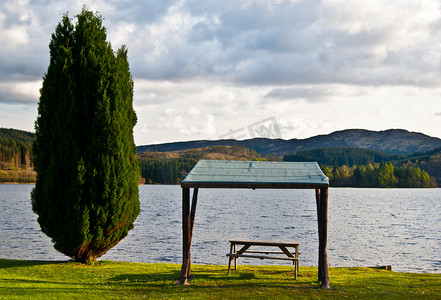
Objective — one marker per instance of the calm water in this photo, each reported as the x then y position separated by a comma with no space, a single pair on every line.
367,227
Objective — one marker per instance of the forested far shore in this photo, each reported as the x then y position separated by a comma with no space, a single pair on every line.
368,168
165,171
384,175
345,166
355,167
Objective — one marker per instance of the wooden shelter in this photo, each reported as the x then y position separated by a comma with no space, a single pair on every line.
255,175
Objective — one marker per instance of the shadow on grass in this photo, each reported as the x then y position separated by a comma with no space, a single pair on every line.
203,279
162,277
29,281
13,263
250,276
28,289
174,275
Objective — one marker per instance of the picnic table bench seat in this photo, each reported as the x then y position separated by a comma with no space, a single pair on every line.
264,254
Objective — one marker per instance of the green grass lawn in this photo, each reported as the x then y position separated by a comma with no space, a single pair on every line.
106,279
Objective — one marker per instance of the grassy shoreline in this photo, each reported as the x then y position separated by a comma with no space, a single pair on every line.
18,176
106,279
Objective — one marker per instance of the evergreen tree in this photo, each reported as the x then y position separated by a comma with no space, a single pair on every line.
385,175
86,194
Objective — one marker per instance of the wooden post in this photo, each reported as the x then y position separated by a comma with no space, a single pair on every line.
192,217
322,219
193,210
188,216
186,240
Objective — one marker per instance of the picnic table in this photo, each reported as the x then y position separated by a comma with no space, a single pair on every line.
245,251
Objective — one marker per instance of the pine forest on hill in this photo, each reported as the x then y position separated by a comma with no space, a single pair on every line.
15,156
345,166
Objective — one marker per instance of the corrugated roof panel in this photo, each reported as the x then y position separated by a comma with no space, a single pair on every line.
256,172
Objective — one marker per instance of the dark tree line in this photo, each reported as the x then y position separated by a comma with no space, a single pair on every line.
378,175
342,156
165,170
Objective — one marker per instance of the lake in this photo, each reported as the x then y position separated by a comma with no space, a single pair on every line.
366,227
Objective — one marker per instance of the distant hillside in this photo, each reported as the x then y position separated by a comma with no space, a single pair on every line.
393,141
348,156
15,156
212,152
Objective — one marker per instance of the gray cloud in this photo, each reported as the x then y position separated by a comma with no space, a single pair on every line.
310,93
235,56
21,69
290,43
245,42
147,11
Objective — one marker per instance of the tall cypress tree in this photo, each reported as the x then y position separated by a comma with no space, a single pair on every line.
86,194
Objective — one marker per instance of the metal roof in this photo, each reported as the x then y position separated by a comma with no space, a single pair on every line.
255,174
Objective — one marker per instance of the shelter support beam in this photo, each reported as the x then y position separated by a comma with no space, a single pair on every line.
322,219
188,216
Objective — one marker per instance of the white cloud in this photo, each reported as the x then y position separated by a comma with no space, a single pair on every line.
18,116
13,37
20,92
121,33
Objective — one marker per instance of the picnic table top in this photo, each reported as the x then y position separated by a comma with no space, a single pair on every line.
255,174
264,243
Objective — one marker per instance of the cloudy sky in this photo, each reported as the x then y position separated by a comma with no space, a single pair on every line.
216,69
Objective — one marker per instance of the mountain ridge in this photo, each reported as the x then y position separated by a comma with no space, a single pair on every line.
393,141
